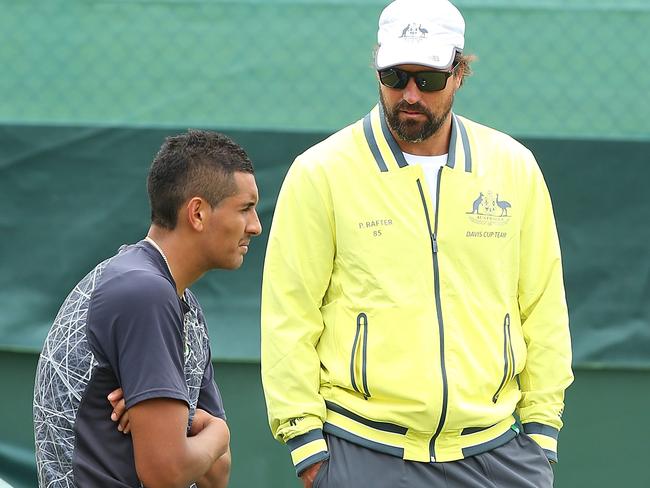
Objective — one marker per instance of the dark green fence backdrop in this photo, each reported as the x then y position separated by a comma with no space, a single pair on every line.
91,88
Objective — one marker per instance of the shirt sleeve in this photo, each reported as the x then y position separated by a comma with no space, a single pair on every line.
135,321
210,396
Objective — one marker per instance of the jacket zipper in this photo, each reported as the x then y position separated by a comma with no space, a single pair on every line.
362,323
508,358
436,281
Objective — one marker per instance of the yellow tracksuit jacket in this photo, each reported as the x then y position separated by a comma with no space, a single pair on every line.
412,327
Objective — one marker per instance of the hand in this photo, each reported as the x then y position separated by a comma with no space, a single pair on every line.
218,475
202,419
309,475
119,414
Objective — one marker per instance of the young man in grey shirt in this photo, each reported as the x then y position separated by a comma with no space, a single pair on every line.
132,325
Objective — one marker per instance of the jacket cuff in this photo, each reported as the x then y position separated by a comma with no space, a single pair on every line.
308,449
545,436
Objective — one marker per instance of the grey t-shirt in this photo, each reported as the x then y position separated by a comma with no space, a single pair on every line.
124,326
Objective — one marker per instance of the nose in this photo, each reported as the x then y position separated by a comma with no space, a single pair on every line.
411,93
254,226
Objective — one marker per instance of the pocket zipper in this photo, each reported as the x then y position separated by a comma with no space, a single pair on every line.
362,344
508,358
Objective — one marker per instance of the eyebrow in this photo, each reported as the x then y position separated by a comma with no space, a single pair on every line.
250,203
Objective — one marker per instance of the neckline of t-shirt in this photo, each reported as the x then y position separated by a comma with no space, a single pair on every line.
439,160
157,248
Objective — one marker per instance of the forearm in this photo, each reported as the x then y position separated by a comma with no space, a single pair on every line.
543,381
544,314
218,475
291,377
547,372
177,466
295,407
290,364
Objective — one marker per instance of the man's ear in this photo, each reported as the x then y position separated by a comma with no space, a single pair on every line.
458,77
196,211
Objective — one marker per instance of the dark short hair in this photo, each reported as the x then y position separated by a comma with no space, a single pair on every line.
197,163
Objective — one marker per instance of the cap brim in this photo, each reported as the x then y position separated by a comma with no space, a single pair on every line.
438,57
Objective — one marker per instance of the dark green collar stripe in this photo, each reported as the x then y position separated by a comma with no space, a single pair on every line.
456,128
451,156
468,154
372,144
392,143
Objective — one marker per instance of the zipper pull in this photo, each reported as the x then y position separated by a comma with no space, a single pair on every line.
434,243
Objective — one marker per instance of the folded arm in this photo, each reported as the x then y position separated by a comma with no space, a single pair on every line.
165,457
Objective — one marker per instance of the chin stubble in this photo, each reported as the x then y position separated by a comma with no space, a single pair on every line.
411,130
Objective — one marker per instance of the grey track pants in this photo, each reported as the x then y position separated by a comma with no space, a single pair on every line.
520,463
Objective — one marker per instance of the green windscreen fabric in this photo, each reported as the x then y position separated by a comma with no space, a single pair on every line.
72,196
92,87
546,68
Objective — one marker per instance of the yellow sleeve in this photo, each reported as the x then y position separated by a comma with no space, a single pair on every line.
545,320
297,270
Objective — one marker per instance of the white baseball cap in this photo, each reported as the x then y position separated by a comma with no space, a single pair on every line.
424,32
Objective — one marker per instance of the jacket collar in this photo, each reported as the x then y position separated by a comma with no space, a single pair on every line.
389,156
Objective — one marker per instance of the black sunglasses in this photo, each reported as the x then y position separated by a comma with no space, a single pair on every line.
426,81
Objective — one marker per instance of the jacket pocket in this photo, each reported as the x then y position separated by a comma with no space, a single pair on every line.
358,357
508,359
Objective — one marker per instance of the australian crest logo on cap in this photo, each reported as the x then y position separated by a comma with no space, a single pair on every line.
414,31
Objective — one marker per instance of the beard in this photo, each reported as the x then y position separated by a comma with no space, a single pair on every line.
412,130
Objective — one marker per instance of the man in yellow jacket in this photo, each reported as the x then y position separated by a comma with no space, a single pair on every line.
413,300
